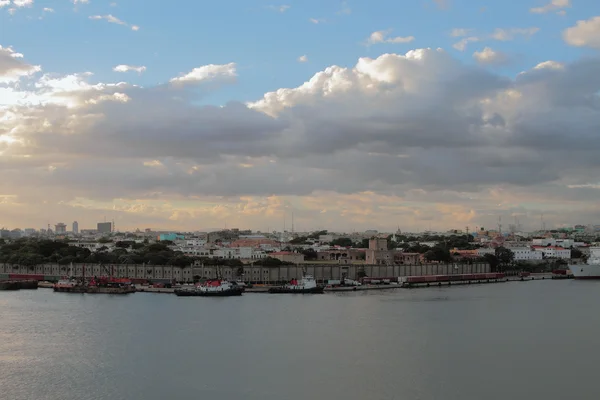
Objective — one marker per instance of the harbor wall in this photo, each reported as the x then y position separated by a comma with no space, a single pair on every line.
254,274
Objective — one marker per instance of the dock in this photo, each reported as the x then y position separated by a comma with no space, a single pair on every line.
18,285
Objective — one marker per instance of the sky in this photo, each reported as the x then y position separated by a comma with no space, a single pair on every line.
418,115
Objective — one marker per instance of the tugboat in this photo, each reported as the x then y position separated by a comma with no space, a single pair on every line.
306,285
212,288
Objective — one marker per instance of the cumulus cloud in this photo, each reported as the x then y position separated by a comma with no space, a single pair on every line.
554,5
211,72
398,139
490,57
48,10
584,33
303,58
383,37
114,20
81,1
12,66
127,68
316,20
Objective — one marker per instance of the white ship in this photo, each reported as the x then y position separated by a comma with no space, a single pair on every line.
589,270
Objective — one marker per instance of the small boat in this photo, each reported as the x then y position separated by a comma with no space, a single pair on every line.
100,285
306,285
212,288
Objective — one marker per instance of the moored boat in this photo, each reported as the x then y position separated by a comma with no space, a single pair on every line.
101,285
212,288
306,285
589,270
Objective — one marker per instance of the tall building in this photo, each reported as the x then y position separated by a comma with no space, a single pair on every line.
60,228
75,228
104,227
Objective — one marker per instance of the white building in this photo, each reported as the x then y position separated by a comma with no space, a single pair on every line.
525,253
553,251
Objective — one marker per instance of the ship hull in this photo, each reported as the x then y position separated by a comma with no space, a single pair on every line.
94,290
284,290
585,271
222,293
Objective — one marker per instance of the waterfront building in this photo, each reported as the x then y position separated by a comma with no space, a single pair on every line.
525,253
553,252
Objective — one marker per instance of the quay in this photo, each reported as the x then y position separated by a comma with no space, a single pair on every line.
18,285
399,283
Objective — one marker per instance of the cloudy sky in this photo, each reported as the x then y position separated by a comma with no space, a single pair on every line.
352,115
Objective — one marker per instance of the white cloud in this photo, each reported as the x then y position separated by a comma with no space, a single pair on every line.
461,45
127,68
48,10
554,5
211,72
511,33
424,136
303,58
12,66
490,57
282,8
114,20
382,37
23,3
458,32
316,20
81,1
499,34
4,3
584,33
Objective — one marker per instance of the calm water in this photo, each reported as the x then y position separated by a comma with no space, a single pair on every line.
523,340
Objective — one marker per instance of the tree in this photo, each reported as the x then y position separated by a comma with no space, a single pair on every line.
505,256
576,253
342,242
492,260
439,254
363,244
309,254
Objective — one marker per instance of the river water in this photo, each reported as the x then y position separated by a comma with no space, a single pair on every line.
519,340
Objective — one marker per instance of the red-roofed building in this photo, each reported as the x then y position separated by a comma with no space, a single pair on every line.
553,251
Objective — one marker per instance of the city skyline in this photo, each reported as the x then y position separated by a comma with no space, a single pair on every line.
352,116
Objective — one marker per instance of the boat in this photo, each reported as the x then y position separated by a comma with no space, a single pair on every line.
306,285
212,288
96,285
589,270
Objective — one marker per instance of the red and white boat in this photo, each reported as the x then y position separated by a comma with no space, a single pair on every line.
212,288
